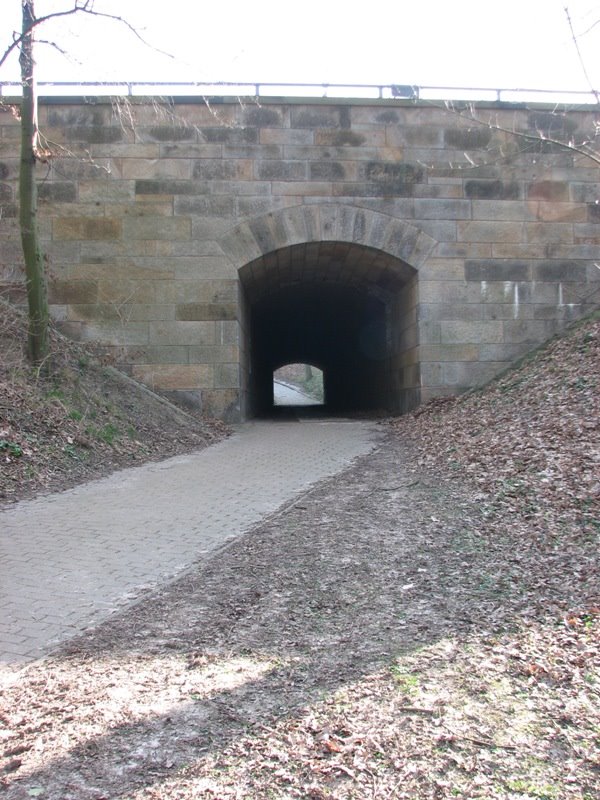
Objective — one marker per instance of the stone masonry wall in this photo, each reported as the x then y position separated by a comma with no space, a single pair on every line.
141,203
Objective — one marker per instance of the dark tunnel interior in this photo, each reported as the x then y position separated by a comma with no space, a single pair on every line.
335,306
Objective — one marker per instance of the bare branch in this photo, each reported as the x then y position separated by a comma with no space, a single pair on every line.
18,38
84,7
580,57
581,148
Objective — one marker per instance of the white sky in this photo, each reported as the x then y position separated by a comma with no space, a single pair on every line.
495,43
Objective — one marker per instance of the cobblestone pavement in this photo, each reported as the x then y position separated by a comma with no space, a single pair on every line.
68,560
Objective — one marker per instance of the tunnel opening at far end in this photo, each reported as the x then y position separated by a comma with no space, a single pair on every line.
298,385
348,309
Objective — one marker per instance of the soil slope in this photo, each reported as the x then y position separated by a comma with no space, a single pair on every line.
77,418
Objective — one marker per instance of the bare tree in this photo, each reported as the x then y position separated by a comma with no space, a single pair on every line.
37,294
31,154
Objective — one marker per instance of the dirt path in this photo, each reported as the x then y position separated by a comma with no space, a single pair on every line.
379,639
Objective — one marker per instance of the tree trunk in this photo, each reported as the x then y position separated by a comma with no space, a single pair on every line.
37,295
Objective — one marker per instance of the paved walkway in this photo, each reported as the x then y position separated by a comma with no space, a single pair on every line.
285,394
69,560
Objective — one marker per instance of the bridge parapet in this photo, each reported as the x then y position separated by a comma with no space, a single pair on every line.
152,211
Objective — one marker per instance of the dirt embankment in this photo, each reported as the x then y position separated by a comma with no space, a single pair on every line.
77,418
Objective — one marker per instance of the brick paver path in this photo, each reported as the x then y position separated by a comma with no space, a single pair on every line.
67,561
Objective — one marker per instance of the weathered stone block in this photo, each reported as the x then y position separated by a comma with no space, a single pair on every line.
206,311
508,351
148,311
468,374
345,138
77,116
468,138
554,191
585,192
208,206
76,169
490,231
452,310
123,291
70,291
321,117
431,373
179,131
224,403
174,376
443,292
395,178
227,376
110,333
497,270
157,228
254,152
230,135
143,206
281,171
559,271
513,250
198,291
449,352
552,124
512,310
178,333
430,332
492,189
503,210
227,333
153,168
9,210
106,190
531,331
151,354
285,136
97,228
231,170
98,134
57,192
458,332
560,212
442,209
189,150
542,232
214,354
261,117
170,187
96,312
327,170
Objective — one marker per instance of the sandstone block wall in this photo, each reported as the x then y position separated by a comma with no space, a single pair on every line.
150,209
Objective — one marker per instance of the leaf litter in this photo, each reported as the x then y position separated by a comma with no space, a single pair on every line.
424,625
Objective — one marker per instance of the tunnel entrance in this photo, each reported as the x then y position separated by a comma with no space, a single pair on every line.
346,308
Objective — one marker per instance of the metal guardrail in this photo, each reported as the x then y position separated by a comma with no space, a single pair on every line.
301,90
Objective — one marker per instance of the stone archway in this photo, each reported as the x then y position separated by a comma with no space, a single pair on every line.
334,285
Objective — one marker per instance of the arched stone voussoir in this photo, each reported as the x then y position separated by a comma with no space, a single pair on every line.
240,246
326,222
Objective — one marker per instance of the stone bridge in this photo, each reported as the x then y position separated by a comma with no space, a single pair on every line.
408,249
